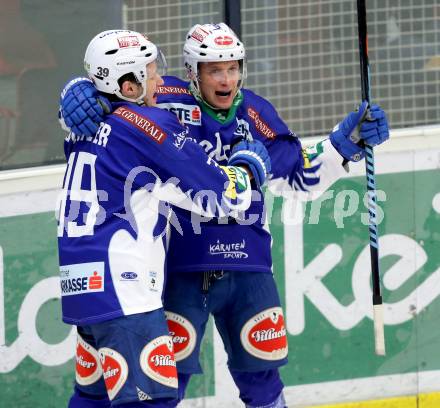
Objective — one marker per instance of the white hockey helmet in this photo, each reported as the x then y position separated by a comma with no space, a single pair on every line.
212,43
114,53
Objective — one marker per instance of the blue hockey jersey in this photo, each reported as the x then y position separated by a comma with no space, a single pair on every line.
113,212
204,244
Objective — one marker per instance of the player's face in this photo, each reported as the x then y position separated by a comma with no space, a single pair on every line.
218,82
154,80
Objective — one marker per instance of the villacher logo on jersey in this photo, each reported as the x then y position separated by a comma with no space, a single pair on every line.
88,368
183,334
115,370
158,362
264,335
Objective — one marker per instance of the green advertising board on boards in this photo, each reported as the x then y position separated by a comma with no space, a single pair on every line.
322,269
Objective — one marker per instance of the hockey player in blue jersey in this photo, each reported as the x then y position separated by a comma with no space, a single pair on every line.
112,219
226,269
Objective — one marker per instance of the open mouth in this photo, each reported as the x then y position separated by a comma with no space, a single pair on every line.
220,93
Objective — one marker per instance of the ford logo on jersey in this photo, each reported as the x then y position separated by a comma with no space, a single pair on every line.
129,275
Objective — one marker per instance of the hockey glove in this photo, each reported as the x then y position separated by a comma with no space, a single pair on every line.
365,126
254,155
82,108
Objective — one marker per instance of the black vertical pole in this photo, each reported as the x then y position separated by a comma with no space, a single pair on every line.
232,15
379,335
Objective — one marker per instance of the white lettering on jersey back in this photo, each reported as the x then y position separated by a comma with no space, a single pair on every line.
77,279
100,138
188,114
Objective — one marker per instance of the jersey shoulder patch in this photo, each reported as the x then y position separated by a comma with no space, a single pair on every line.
142,121
173,86
260,124
263,115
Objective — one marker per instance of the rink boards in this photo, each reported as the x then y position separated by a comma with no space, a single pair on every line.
322,268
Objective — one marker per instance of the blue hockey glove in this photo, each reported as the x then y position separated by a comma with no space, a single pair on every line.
254,155
82,108
365,126
374,130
